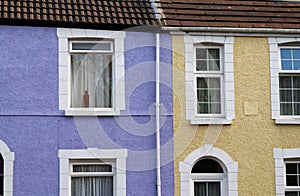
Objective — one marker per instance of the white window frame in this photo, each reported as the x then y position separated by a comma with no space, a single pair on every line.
229,179
226,64
279,156
116,157
275,70
65,35
290,188
207,74
8,161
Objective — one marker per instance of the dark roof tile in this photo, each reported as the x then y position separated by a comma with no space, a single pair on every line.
93,13
231,13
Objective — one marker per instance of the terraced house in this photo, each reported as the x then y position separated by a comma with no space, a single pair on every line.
137,97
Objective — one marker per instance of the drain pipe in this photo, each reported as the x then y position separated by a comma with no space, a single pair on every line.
157,115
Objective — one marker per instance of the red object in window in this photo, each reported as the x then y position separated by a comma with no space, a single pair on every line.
86,99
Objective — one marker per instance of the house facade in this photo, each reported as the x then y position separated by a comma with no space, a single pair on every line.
235,100
78,104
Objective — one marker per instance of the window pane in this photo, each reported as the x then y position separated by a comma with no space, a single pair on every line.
285,82
92,186
286,109
296,53
215,108
91,46
285,95
296,95
214,96
200,53
92,168
199,189
202,83
297,109
201,65
286,54
296,64
286,65
296,81
207,166
203,108
292,193
214,83
291,180
91,83
213,54
291,168
214,189
202,95
214,65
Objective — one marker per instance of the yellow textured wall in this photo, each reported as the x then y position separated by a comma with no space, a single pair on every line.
251,138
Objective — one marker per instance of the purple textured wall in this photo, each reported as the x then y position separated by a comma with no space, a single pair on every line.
33,127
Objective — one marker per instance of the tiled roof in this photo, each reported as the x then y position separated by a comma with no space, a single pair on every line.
80,13
231,13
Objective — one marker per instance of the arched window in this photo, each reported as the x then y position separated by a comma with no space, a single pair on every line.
1,175
208,171
208,178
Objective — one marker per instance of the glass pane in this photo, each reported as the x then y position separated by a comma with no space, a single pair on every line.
286,65
200,53
214,83
214,65
215,108
214,189
202,83
91,83
286,54
201,65
296,53
92,186
285,95
92,168
286,109
199,189
297,109
292,193
291,168
202,95
203,108
207,166
285,82
214,96
213,54
296,64
296,81
291,180
91,46
296,95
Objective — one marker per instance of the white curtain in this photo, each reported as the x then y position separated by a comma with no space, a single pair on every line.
91,73
92,186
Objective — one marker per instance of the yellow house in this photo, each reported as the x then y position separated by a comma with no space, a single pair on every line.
236,84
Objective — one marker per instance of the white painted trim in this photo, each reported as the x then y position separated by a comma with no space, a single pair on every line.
228,79
119,155
274,43
64,34
279,155
8,158
208,150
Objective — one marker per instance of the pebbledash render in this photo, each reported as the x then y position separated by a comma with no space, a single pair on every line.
48,151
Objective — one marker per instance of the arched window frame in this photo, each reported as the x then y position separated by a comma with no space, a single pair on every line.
229,178
8,158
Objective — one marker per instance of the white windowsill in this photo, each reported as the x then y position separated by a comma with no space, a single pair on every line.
291,121
91,112
210,121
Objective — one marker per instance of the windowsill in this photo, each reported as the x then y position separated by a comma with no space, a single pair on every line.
291,120
91,112
211,121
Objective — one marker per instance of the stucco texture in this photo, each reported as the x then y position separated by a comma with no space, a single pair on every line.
250,139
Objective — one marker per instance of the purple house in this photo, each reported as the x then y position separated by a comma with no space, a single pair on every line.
86,99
